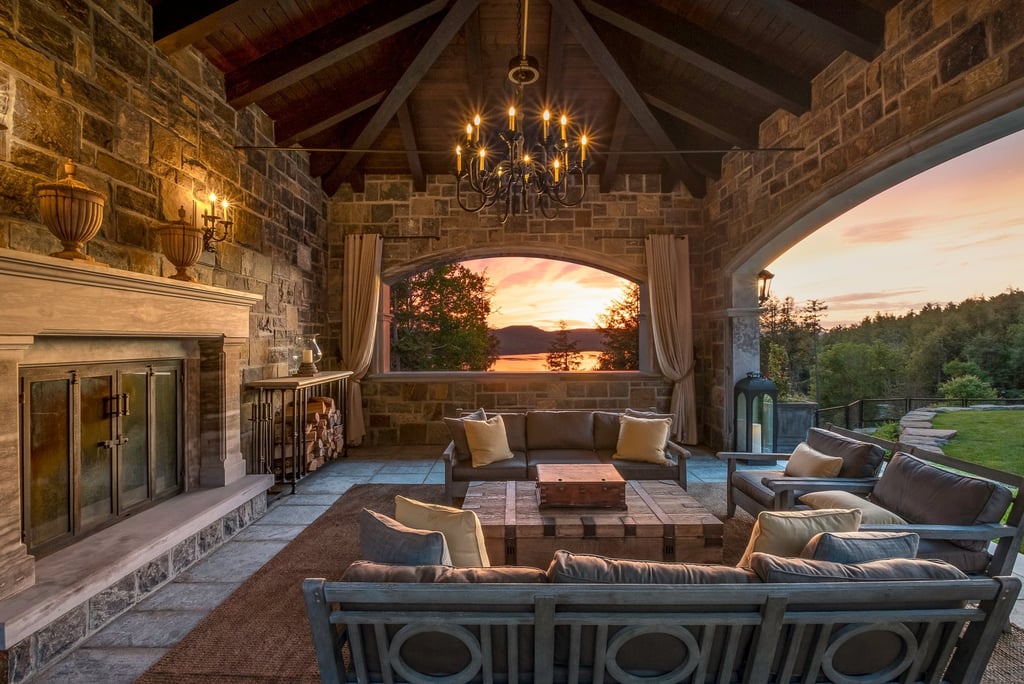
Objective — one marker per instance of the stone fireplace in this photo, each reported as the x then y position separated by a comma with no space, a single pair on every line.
61,312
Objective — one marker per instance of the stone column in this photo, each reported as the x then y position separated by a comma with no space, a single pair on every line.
17,567
221,461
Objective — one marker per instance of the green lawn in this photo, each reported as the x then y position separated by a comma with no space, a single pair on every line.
991,438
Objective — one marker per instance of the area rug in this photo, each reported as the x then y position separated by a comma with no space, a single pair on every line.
260,632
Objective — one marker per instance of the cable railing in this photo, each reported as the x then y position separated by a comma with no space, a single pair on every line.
867,413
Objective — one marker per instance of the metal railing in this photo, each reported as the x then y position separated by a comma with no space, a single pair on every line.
874,412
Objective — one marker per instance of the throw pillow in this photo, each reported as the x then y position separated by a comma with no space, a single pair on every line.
860,459
774,569
786,533
872,514
457,430
861,547
384,540
642,439
584,568
809,462
461,529
365,571
488,442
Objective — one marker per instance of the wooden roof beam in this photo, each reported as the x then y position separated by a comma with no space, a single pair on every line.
577,22
556,52
852,25
325,46
706,120
432,48
296,130
611,165
706,51
475,60
419,179
179,24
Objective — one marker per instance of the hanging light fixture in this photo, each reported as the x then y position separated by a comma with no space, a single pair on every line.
538,166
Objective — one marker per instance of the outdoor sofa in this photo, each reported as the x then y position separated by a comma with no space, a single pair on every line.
556,437
593,619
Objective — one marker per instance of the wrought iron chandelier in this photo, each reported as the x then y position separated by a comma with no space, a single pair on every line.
526,172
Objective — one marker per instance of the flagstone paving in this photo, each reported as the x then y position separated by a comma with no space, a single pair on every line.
127,647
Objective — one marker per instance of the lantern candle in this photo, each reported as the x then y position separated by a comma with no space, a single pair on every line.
755,438
307,356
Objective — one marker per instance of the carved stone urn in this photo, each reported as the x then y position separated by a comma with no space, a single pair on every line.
73,212
183,245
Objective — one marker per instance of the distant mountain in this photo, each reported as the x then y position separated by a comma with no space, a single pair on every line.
529,339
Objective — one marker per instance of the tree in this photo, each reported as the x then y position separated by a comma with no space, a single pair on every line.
564,354
619,326
967,387
439,321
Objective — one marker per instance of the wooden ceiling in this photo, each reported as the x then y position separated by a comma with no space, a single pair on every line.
387,86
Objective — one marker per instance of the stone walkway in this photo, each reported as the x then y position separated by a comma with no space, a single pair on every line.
916,427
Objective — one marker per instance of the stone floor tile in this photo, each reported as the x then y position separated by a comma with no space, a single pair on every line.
100,666
292,515
402,468
189,596
233,562
330,485
303,498
269,533
147,629
399,478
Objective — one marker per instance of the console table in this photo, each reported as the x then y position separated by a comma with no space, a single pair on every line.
288,439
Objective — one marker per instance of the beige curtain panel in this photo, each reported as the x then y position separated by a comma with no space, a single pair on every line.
360,302
668,268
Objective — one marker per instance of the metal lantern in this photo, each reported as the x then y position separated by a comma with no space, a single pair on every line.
757,414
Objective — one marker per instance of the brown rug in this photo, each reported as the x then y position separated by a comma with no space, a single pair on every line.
260,633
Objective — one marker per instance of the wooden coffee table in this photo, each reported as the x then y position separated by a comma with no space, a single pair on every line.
661,522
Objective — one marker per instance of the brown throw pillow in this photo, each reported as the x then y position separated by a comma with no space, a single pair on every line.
809,462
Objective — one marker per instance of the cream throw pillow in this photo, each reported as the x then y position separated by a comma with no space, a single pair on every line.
642,439
807,461
461,529
488,442
786,533
871,513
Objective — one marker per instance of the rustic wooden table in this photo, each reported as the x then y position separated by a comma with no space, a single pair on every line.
662,522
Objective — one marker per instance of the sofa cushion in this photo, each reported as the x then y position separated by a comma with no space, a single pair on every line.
606,430
559,456
511,469
642,439
633,413
582,568
971,562
872,514
384,540
861,547
806,461
461,529
559,430
860,459
365,571
635,470
457,430
487,441
750,482
786,533
925,494
515,428
774,569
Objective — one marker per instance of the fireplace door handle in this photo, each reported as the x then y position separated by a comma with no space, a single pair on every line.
111,443
125,404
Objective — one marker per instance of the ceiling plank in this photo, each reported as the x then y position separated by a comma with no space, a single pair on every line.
556,52
475,60
297,132
579,25
419,180
611,165
707,122
432,48
179,24
852,25
707,52
328,45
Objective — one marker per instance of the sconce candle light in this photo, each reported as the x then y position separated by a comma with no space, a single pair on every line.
764,285
216,226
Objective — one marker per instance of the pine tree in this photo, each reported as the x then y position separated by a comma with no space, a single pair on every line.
563,354
619,326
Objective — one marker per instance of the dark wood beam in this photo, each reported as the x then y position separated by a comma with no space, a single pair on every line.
446,30
556,53
852,25
291,132
579,25
179,24
611,165
325,46
419,180
475,60
706,121
705,51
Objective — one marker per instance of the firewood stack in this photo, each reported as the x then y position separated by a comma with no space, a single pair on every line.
324,433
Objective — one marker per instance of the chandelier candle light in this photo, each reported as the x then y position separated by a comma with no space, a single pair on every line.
529,173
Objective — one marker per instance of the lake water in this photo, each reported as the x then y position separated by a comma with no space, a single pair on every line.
532,363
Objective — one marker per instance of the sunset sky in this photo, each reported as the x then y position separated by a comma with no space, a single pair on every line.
953,232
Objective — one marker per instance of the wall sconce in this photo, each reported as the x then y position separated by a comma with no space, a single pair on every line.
764,286
216,227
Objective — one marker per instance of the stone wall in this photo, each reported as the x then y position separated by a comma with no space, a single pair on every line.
406,408
948,67
83,80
